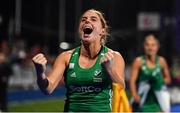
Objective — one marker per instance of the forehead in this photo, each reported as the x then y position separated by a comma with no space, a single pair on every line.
150,40
90,14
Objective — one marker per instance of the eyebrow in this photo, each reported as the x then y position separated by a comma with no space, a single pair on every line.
84,17
93,17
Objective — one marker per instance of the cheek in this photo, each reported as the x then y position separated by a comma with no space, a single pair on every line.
146,48
80,27
79,30
99,29
155,49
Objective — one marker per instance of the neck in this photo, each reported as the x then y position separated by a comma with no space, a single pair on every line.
152,58
90,50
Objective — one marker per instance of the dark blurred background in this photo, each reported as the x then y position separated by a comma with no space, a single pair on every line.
48,22
50,26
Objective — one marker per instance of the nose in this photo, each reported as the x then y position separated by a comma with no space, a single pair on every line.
87,20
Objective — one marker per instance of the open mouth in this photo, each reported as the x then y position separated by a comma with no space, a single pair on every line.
87,30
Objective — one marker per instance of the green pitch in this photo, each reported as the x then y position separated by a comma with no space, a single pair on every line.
53,105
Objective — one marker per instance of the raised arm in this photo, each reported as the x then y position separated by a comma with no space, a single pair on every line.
47,83
133,78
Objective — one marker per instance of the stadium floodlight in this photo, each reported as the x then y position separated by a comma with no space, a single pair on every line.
64,45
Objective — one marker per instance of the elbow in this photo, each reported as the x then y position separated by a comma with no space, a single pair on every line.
45,91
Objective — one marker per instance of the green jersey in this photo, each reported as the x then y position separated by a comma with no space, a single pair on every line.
149,81
153,76
88,90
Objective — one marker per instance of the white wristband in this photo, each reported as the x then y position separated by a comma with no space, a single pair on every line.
43,76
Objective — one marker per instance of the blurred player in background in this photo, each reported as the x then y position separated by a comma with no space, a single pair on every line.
149,76
88,70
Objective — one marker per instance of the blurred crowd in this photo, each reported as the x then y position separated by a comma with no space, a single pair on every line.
21,73
16,68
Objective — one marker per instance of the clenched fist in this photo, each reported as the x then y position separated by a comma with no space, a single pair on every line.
113,62
107,59
40,62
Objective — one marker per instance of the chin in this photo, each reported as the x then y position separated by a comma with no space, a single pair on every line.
87,39
86,42
151,54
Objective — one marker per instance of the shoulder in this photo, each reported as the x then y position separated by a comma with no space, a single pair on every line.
162,60
137,61
65,56
66,53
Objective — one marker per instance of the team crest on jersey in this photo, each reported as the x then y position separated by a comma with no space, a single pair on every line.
97,76
97,73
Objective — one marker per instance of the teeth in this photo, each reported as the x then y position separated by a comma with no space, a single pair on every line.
87,26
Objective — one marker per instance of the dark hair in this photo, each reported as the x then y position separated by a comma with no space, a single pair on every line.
151,36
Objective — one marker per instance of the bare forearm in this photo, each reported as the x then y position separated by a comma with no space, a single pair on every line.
52,85
47,84
116,78
133,89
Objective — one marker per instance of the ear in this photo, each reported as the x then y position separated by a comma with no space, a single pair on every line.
103,32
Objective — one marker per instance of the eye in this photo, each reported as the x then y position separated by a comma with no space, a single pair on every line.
93,19
83,19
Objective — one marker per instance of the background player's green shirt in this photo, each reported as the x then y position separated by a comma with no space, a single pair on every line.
88,90
154,77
